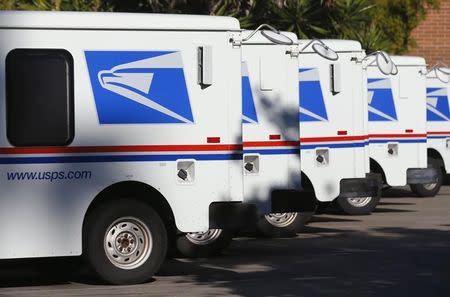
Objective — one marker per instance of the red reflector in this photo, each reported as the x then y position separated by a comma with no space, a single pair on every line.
342,132
275,137
409,130
213,139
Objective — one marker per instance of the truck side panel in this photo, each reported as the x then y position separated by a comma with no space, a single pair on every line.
122,135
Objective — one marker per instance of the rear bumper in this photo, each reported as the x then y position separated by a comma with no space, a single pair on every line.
293,201
370,186
421,176
232,215
237,215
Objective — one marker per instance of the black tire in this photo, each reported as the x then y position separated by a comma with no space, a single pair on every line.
346,206
269,226
430,190
194,245
100,220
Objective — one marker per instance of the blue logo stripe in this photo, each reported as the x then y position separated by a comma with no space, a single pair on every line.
333,145
141,158
121,158
293,151
438,137
398,140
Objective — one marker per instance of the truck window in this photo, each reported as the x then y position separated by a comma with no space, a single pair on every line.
39,97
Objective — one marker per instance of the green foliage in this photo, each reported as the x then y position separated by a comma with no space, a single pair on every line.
377,24
302,17
77,5
397,18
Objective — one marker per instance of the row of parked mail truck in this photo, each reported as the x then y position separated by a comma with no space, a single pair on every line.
126,136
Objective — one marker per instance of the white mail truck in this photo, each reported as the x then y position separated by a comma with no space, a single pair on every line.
438,125
117,130
271,155
270,135
397,125
333,125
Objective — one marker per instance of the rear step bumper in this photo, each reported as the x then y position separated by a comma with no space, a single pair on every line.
370,186
232,215
421,176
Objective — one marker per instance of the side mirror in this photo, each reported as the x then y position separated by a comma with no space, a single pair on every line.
385,63
394,69
325,52
321,49
442,75
277,37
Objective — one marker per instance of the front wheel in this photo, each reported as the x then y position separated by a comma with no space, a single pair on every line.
285,224
357,205
125,242
429,190
203,244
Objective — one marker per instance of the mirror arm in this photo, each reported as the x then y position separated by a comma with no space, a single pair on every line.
438,67
311,42
258,29
373,54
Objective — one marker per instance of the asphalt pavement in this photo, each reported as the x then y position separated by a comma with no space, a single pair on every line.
403,249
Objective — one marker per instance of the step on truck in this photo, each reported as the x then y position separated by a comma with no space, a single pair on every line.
117,130
438,125
333,125
397,126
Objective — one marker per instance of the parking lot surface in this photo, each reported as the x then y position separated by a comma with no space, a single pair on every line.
403,249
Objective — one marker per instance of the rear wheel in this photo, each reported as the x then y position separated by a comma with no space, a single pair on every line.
357,205
285,224
203,244
430,190
125,242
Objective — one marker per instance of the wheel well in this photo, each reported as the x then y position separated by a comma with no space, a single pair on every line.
375,167
138,191
434,154
306,183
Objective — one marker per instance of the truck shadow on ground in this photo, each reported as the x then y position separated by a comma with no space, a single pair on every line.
395,262
394,192
379,262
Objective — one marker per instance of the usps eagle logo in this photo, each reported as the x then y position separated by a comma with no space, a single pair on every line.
381,100
249,115
312,103
132,87
437,104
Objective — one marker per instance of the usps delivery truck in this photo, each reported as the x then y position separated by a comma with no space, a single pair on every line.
270,135
335,162
438,125
397,125
117,130
271,160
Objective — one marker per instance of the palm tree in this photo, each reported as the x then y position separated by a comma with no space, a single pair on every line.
303,17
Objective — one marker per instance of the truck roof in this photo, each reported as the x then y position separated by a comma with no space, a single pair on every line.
338,45
408,61
115,21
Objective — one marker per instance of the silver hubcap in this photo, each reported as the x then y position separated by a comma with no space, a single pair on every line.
430,187
204,238
359,201
281,219
128,243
